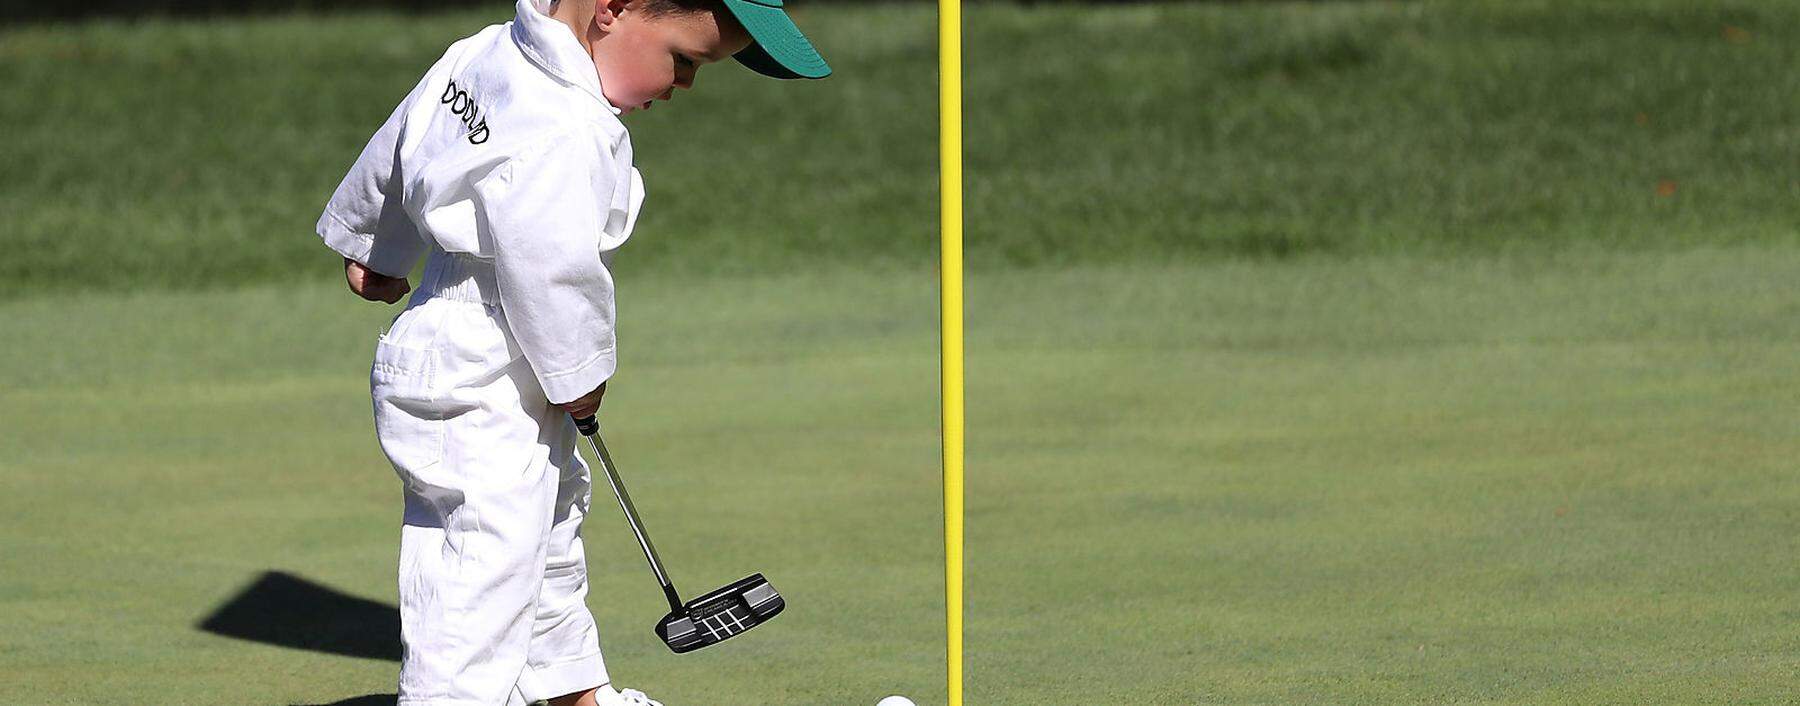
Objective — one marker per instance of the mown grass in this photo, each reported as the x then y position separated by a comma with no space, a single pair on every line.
197,153
1519,479
1320,352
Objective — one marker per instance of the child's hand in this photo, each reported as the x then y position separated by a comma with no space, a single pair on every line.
587,405
374,286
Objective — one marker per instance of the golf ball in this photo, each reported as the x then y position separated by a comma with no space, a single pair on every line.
895,701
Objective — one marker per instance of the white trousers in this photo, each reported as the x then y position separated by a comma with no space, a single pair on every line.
493,580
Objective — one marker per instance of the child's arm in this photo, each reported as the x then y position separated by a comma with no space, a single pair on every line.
548,214
372,285
365,221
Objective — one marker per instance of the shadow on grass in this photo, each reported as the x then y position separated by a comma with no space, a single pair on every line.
286,610
282,609
370,700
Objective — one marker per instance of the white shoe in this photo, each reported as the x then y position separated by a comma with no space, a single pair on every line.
631,697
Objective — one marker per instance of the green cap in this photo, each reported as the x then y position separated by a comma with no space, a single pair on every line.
777,47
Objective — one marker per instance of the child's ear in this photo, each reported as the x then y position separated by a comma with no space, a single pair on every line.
606,12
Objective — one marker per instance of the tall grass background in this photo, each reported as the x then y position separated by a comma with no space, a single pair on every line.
198,153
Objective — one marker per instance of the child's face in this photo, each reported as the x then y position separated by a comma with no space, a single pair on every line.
642,57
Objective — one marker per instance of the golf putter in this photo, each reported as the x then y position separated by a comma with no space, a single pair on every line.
710,619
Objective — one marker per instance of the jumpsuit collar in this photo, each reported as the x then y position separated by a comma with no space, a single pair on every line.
550,45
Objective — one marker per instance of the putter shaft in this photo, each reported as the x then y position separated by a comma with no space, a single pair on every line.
590,428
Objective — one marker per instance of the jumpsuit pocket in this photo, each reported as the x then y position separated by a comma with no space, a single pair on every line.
409,420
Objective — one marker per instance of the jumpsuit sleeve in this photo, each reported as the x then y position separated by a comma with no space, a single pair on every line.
366,219
544,212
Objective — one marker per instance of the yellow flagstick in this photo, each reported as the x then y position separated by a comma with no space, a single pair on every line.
951,297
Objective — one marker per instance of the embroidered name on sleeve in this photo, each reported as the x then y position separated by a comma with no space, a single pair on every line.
463,105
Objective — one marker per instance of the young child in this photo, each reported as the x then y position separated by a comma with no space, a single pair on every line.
508,169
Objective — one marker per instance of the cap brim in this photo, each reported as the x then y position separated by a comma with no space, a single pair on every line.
777,47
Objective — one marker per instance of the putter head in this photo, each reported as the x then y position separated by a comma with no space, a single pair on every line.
720,615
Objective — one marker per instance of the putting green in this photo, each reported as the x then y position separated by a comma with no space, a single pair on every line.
1388,479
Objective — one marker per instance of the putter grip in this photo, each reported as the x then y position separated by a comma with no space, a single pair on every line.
587,425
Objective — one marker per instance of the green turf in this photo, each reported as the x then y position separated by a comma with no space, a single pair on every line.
1358,358
198,153
1543,479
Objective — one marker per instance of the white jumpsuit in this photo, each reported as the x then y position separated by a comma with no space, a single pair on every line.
508,170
